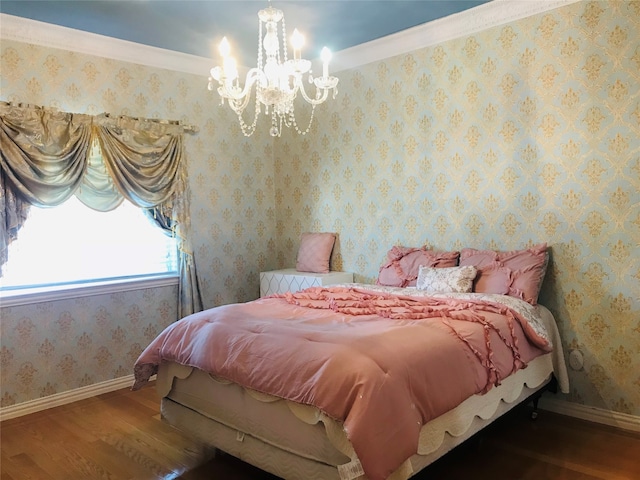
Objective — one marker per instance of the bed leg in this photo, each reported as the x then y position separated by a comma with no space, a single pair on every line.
552,386
534,412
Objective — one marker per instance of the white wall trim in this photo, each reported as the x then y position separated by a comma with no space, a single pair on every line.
51,293
54,36
591,414
64,398
468,22
491,14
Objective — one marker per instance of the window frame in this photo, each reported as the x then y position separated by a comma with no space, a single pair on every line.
51,293
84,287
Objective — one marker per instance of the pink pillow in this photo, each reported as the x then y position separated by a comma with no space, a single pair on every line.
315,251
518,273
403,265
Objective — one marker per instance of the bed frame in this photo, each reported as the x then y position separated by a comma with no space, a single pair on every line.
295,441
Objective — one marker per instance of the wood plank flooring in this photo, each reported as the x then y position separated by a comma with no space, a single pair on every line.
120,436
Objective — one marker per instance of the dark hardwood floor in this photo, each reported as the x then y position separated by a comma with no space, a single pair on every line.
120,436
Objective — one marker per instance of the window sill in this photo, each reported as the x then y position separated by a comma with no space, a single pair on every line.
12,298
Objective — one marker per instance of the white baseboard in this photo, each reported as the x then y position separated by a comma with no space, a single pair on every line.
64,398
591,414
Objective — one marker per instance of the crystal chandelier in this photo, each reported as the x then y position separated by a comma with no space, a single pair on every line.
277,79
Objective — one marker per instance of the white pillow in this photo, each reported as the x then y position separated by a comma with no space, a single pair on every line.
446,280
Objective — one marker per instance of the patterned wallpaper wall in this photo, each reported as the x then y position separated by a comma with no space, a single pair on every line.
62,345
520,134
523,133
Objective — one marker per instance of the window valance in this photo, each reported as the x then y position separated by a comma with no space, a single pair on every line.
47,156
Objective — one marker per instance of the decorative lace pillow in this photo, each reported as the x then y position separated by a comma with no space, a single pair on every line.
446,280
314,252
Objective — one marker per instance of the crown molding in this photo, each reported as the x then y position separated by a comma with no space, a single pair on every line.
468,22
487,15
54,36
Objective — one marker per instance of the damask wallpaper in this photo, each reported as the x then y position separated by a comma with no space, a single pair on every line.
523,133
520,134
58,346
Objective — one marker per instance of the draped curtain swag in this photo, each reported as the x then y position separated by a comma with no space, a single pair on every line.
46,156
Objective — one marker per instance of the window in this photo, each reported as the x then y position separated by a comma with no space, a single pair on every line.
72,244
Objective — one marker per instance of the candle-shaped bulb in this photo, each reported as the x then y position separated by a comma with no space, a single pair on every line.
297,40
225,48
325,56
230,69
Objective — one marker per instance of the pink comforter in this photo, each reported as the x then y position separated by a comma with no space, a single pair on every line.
382,364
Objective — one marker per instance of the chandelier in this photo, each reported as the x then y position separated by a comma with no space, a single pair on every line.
277,80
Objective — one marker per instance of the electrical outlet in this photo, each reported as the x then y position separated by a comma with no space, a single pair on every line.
576,360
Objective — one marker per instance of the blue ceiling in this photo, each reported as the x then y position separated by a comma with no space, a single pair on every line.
196,27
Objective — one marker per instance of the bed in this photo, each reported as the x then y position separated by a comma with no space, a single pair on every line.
351,381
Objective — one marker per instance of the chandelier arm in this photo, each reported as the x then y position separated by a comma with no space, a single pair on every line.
300,87
254,75
238,105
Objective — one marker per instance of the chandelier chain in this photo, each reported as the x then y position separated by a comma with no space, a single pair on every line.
284,42
295,124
